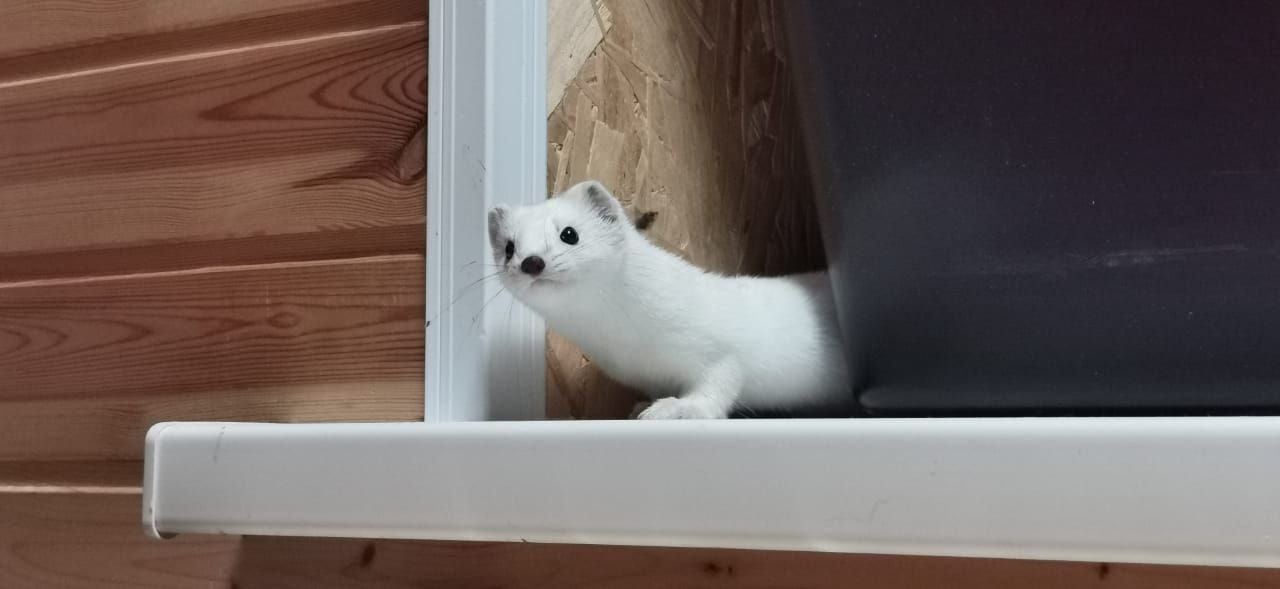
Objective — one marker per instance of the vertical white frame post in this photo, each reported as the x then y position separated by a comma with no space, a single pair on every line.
486,144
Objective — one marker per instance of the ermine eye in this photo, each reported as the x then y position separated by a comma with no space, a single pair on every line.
511,249
569,236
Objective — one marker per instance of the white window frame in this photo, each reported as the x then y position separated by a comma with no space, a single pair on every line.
1156,490
487,136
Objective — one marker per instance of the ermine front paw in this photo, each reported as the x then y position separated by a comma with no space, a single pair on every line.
676,408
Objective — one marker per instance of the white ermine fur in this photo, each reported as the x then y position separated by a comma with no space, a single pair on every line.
699,343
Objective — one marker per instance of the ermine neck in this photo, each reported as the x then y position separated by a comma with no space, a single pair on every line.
646,280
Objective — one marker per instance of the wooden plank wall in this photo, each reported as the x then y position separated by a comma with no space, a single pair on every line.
76,541
208,210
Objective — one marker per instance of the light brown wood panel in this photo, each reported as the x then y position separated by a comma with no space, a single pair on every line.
87,364
71,476
282,563
102,427
44,37
53,541
178,255
96,541
316,134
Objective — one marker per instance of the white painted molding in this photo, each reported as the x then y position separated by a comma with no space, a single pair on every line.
486,130
1156,490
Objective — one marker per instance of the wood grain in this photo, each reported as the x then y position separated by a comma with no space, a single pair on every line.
71,476
51,541
574,28
87,364
280,563
56,36
113,427
178,255
320,134
95,541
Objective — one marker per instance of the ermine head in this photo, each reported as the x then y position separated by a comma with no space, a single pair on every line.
547,251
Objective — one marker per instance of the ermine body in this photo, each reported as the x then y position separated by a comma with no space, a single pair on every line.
700,343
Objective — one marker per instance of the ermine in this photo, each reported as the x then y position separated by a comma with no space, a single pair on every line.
699,343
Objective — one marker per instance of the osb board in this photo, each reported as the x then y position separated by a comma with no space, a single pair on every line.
685,109
574,29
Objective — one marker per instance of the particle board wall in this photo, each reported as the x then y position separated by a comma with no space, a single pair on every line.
684,110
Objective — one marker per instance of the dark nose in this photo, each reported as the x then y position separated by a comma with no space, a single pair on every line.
532,265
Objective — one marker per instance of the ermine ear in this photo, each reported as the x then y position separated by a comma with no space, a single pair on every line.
497,219
600,201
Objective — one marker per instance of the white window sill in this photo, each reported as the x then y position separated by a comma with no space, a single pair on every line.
1157,490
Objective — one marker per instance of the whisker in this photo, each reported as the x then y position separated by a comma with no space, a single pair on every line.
475,282
486,304
462,291
474,262
511,305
